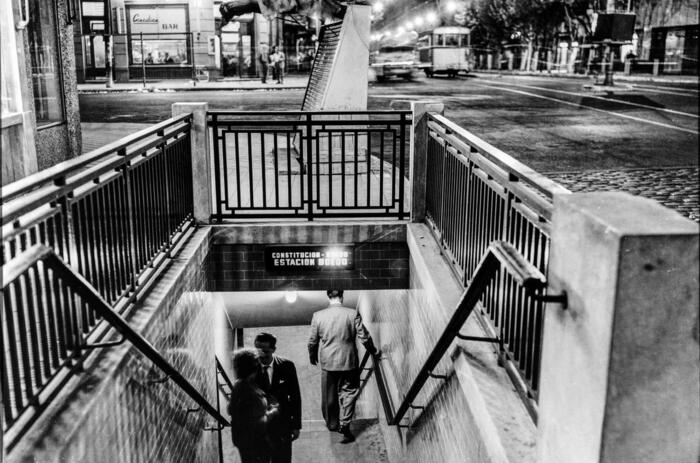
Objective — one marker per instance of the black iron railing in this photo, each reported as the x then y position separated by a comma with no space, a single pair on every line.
222,382
500,257
47,308
310,165
114,214
476,194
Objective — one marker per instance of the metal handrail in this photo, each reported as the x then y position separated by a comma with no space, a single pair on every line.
223,373
66,168
500,255
515,171
19,265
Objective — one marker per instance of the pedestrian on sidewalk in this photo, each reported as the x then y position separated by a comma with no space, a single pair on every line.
250,411
278,63
277,377
332,344
264,60
273,62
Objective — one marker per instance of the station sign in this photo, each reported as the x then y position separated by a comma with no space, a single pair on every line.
304,258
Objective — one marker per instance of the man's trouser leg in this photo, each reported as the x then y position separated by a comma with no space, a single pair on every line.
348,392
329,397
282,452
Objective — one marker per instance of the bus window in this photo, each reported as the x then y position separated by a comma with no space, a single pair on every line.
464,40
423,41
452,40
438,40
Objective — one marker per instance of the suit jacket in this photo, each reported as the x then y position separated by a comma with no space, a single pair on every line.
284,390
332,337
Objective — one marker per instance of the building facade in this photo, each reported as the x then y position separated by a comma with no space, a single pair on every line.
667,31
180,39
40,112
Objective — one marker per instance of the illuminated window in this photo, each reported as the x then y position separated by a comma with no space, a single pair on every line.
451,40
44,55
164,33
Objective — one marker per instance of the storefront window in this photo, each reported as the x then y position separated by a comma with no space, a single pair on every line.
675,44
44,55
158,35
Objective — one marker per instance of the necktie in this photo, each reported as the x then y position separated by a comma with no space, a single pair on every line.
266,375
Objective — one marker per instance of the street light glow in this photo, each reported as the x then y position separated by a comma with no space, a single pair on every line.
379,6
451,6
431,17
418,21
409,25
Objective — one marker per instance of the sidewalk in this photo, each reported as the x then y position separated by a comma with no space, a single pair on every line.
290,83
617,76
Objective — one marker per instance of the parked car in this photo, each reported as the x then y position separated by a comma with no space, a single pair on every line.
397,61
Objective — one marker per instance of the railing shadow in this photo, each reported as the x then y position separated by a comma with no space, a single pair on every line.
499,256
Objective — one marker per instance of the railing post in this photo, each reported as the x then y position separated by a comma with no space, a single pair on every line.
620,379
419,154
201,171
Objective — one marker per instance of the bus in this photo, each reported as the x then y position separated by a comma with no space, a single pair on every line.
444,50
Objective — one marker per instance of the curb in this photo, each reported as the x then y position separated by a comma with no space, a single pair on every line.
619,77
183,89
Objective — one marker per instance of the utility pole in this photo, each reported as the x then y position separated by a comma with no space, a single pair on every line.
108,43
608,56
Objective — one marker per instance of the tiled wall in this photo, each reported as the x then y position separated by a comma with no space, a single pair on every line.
488,424
406,325
124,408
241,267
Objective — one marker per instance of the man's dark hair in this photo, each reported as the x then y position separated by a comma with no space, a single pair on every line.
268,338
334,293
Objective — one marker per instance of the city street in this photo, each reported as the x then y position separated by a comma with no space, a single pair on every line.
642,137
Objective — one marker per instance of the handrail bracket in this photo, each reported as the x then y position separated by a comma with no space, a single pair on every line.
99,345
477,338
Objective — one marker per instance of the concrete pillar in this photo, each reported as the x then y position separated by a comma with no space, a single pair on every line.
201,170
628,67
419,155
572,60
510,62
620,367
549,60
489,61
655,69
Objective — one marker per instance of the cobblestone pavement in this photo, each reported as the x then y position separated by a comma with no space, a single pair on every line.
674,187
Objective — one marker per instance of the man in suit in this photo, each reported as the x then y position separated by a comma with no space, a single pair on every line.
332,343
277,377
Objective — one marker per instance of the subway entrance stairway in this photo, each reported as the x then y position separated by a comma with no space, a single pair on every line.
516,321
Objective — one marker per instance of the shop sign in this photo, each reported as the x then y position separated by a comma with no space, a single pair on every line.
155,20
293,258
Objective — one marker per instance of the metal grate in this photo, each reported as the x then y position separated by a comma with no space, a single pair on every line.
310,165
321,69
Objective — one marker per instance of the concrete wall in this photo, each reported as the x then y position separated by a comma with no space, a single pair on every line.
620,378
473,416
237,257
113,411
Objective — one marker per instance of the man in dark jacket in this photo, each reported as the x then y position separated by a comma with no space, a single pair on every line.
277,377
